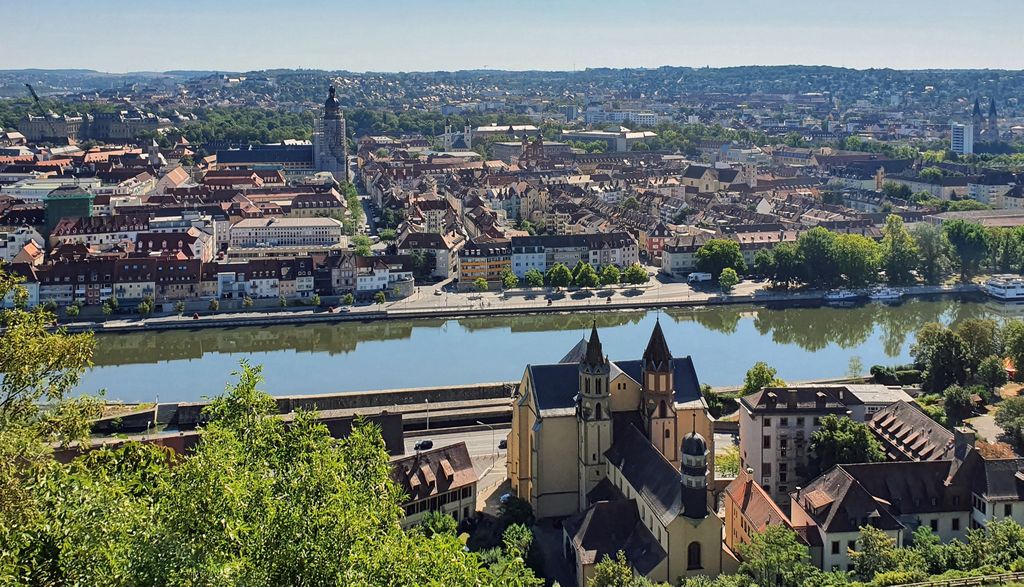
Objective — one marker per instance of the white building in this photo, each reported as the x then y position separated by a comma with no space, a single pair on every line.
287,232
14,238
961,138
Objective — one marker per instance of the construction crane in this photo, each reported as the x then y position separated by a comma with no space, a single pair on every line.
46,115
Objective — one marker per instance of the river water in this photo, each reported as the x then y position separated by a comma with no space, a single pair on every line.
802,343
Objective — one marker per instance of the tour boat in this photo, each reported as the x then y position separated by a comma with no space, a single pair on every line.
1005,287
885,294
840,295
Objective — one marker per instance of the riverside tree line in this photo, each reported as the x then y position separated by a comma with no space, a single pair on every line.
927,254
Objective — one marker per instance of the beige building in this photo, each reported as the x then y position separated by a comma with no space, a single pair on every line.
612,442
438,480
286,232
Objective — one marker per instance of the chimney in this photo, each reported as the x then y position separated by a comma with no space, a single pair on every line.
963,441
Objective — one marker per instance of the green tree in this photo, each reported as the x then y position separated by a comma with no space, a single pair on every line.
942,356
982,338
587,277
282,301
728,279
630,203
817,247
348,299
387,235
760,376
934,252
635,274
841,440
214,305
435,522
616,573
515,511
783,265
71,311
970,243
145,307
899,252
559,276
315,300
956,401
380,297
857,258
534,278
114,303
247,302
1013,342
931,175
1010,417
361,245
480,284
991,374
610,275
718,254
877,556
179,307
107,310
775,557
509,279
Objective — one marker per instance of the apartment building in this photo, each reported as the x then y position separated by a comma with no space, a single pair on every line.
287,232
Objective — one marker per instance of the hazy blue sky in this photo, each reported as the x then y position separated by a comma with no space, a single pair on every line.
404,35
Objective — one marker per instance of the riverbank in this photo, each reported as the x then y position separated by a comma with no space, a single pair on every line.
498,305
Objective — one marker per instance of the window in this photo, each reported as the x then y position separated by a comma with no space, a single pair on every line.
835,547
800,421
851,545
662,410
597,411
783,421
934,525
956,524
1008,510
693,556
766,442
767,422
668,433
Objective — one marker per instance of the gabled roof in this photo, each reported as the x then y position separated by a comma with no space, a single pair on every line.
610,526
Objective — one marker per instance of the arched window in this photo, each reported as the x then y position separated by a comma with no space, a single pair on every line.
668,433
587,385
597,411
598,384
693,556
662,410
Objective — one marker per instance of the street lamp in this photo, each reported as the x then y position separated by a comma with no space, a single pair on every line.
428,413
494,451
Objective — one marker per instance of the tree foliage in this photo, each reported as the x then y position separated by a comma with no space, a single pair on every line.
842,440
728,279
718,254
759,376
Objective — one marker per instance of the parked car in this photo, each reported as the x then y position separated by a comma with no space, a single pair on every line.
426,444
503,444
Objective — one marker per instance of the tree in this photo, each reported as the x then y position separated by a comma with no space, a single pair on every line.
509,279
630,203
587,276
559,276
857,258
348,299
899,252
145,307
534,278
970,242
71,311
315,300
387,235
214,305
982,338
515,510
783,265
775,557
728,279
841,440
893,190
282,301
107,310
1010,417
760,376
114,303
1013,342
480,284
877,556
435,522
361,245
931,175
616,573
635,274
717,254
991,374
941,355
956,401
379,298
179,307
817,247
610,275
934,251
247,302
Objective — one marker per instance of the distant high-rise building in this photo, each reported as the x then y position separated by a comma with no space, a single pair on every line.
961,138
330,147
993,125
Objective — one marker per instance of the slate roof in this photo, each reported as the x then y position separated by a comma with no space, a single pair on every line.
808,398
908,434
611,526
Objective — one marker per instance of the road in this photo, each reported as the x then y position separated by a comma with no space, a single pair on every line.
488,460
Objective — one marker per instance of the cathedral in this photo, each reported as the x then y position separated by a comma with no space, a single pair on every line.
622,450
330,145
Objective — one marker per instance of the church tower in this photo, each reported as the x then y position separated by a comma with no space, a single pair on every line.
976,118
594,415
658,396
694,476
330,145
993,124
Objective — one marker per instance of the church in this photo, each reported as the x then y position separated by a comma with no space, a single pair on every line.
623,451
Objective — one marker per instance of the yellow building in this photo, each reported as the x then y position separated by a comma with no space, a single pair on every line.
612,442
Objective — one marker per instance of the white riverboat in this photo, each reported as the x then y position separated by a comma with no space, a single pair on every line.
840,295
1008,288
885,294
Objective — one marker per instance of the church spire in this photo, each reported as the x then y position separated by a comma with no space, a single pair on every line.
657,356
992,107
977,108
595,354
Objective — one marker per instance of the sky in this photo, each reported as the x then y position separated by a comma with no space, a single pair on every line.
431,35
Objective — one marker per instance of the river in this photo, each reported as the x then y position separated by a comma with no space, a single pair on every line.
802,343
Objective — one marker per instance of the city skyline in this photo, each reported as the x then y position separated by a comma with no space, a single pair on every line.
407,36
